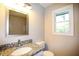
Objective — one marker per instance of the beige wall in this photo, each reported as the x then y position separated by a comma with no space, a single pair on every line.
36,29
61,44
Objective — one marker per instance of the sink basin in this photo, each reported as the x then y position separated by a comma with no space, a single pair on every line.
21,51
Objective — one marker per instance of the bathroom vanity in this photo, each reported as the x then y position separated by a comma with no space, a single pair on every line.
35,49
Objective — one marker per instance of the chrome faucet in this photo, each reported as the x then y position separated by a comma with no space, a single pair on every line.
19,43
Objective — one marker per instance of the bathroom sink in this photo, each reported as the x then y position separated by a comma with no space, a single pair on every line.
21,51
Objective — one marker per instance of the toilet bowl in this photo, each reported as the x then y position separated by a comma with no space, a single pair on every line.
48,53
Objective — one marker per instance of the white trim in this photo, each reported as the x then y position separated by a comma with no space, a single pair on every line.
68,8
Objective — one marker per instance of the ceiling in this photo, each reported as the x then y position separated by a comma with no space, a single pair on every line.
45,4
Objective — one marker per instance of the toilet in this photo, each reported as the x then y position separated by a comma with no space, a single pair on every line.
48,53
44,53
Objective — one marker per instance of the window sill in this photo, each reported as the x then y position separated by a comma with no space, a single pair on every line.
64,34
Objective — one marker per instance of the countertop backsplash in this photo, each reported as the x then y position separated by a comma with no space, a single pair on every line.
14,44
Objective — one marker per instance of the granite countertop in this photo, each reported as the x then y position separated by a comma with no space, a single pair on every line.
35,48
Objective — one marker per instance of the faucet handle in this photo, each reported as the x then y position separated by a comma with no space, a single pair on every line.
18,40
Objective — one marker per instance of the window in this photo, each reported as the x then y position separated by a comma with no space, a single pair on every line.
63,21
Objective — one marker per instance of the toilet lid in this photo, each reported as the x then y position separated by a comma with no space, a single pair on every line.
48,53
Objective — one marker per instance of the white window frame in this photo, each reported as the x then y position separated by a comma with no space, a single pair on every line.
68,8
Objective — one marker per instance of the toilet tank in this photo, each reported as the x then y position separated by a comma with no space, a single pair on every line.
41,43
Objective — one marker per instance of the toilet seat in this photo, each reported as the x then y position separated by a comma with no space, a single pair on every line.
48,53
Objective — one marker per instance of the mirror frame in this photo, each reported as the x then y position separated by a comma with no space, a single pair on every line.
7,22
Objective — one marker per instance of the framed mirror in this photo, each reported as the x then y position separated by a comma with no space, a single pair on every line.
18,23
